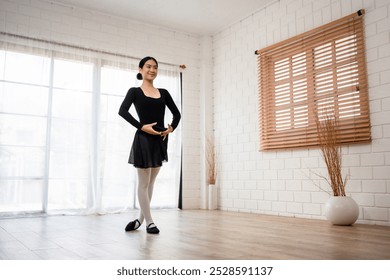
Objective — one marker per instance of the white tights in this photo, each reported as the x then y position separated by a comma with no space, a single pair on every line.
146,179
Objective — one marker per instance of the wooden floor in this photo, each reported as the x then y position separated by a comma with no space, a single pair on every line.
190,235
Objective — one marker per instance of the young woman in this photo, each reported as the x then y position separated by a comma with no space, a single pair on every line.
149,149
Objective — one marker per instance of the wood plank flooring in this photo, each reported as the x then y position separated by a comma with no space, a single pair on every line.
190,235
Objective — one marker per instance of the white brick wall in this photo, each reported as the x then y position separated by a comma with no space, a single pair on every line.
286,184
77,26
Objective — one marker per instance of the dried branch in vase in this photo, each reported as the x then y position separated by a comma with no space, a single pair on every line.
211,162
331,153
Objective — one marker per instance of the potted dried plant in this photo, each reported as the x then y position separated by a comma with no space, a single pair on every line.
211,174
339,208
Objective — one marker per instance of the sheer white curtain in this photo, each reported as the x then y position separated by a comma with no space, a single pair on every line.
63,146
166,190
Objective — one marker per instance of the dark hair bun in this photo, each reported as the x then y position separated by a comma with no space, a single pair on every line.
143,61
139,76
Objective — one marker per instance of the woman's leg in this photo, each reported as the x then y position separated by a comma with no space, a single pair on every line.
146,180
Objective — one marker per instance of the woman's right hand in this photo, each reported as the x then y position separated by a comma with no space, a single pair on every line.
148,128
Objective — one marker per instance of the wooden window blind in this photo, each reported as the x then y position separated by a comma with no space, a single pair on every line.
319,73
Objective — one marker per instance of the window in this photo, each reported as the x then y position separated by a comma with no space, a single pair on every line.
63,146
24,94
71,134
309,77
114,132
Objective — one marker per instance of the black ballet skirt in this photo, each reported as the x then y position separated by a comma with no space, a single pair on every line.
148,151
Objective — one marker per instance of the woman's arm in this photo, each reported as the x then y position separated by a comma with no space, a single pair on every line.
125,107
174,110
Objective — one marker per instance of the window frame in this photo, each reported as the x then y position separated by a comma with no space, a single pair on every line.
290,105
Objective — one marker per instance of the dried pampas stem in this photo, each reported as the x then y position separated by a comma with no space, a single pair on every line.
331,153
211,162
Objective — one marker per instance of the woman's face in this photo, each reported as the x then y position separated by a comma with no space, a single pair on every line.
149,70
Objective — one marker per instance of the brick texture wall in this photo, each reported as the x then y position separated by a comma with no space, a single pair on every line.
283,182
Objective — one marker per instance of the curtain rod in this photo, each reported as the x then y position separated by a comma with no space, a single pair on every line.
182,66
359,13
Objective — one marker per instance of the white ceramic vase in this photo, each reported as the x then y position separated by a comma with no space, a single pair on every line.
341,210
212,197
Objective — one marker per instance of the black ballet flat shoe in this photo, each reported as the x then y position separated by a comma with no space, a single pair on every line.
152,228
133,225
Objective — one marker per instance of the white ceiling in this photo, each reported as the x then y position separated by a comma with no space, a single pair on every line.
203,17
